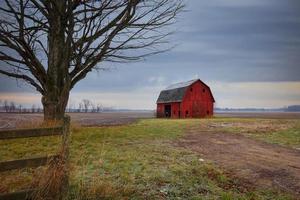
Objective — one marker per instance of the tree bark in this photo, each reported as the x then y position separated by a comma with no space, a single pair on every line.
54,107
58,83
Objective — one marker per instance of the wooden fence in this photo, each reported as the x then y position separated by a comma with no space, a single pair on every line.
63,131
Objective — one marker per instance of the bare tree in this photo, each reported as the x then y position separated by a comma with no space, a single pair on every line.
86,104
53,44
20,108
12,106
6,106
93,107
99,107
33,108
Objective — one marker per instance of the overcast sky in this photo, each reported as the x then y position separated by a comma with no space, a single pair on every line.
247,51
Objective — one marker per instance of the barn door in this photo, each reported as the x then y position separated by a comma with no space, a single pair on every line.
168,110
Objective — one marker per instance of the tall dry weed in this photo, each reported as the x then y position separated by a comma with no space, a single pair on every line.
48,184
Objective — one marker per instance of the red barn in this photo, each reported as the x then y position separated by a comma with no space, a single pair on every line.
186,100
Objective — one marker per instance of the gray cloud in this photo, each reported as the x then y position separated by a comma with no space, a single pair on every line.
221,40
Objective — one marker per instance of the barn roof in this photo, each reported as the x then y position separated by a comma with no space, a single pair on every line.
181,85
175,92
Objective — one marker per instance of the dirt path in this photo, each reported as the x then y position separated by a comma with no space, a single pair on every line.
258,163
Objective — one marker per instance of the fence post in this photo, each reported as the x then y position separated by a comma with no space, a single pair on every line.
65,157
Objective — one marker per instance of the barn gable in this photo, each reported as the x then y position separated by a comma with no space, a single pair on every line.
176,92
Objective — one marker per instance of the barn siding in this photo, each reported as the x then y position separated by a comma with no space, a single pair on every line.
197,101
175,110
160,110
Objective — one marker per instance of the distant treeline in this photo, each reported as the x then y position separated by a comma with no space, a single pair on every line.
85,105
12,107
292,108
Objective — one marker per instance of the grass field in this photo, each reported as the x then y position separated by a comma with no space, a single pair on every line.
140,160
285,132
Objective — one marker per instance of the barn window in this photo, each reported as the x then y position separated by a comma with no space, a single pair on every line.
207,112
186,112
191,89
203,90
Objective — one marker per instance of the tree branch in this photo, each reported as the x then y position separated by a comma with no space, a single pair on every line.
25,78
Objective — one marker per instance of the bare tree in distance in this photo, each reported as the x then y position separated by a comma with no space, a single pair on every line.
54,44
93,107
33,108
12,106
99,108
86,104
6,106
20,108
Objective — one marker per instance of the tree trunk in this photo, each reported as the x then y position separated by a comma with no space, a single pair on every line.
54,107
58,83
56,97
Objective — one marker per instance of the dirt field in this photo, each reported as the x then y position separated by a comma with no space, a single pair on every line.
12,120
264,115
254,162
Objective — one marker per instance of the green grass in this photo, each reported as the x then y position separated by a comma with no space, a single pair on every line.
289,137
138,161
285,132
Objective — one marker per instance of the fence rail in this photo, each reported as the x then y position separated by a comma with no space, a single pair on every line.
23,163
37,161
26,133
23,194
